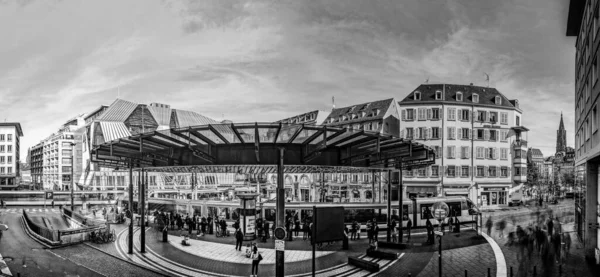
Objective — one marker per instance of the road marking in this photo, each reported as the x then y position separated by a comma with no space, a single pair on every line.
500,261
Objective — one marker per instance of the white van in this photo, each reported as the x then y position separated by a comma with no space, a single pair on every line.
515,196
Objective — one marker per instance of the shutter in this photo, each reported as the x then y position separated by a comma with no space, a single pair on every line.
404,115
474,133
486,135
470,134
453,132
427,133
459,114
468,152
429,114
441,113
487,153
428,171
496,153
485,171
446,170
471,116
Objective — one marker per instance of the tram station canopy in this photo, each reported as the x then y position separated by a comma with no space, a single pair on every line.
254,148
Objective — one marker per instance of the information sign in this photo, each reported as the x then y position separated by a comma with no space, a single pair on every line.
49,195
250,224
279,245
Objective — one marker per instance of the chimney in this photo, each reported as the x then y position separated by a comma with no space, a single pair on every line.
471,84
333,102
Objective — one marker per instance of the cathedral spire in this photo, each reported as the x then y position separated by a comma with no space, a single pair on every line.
561,136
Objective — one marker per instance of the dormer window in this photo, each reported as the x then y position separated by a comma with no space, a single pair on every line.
341,118
363,114
377,112
517,104
498,100
354,116
459,96
417,95
438,95
475,98
344,117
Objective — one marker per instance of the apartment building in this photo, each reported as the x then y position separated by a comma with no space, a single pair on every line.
474,131
583,23
10,136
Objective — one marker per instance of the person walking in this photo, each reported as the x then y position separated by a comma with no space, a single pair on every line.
488,226
550,226
297,227
239,238
305,230
429,228
255,262
369,231
266,224
353,230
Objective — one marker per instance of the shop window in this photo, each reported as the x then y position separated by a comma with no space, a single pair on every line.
435,171
426,211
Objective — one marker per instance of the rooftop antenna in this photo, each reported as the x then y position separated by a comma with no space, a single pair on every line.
427,80
487,78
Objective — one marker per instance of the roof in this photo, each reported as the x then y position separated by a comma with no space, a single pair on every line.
119,110
382,105
318,117
486,94
114,130
536,152
95,111
576,8
17,125
188,118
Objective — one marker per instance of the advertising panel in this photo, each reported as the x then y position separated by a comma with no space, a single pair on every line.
250,224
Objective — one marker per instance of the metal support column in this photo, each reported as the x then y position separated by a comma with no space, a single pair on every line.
130,237
400,200
321,195
279,254
389,206
373,187
142,203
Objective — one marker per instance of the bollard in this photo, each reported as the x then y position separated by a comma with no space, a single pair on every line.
465,273
489,272
511,272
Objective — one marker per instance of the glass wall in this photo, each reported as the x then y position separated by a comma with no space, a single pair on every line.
580,200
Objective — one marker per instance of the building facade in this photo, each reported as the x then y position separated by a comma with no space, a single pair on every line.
36,164
10,161
536,157
471,128
583,23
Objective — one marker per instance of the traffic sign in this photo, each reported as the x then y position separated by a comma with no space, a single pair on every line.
279,245
440,210
49,195
279,233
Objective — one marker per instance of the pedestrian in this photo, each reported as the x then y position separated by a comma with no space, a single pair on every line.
488,224
550,226
567,241
239,238
394,234
353,230
429,228
255,262
369,231
456,225
500,226
375,232
408,227
297,227
288,228
305,230
266,229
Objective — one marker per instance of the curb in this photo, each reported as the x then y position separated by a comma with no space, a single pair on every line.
501,270
128,261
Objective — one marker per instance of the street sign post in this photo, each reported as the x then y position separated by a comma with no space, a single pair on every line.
279,245
440,212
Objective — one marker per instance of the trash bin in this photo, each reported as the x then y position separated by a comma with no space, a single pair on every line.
165,235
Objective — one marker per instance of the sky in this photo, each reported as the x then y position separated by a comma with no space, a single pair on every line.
263,60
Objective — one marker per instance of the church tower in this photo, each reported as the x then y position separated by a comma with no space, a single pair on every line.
561,136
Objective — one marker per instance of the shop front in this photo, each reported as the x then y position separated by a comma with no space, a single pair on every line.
457,191
420,190
494,195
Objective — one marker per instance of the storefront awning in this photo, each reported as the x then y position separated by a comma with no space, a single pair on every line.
456,191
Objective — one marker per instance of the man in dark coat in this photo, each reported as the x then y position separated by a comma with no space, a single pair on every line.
429,228
239,238
210,225
266,229
408,227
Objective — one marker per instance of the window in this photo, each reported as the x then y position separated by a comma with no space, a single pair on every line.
498,100
410,114
586,126
66,160
451,133
1,137
2,159
421,172
480,133
475,98
451,113
503,134
9,148
464,172
493,117
408,173
67,152
417,95
481,116
489,153
594,72
504,118
435,171
480,152
438,152
504,153
465,133
492,171
517,171
422,113
421,133
9,170
451,152
409,133
434,114
504,171
517,121
459,96
464,152
1,148
435,132
480,171
465,115
9,137
66,169
9,159
493,135
451,171
438,95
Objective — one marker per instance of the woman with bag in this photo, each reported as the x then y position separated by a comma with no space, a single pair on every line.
255,261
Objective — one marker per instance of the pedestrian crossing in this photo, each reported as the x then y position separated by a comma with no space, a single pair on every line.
30,210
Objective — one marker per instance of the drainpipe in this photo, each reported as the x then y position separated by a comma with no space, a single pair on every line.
443,136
